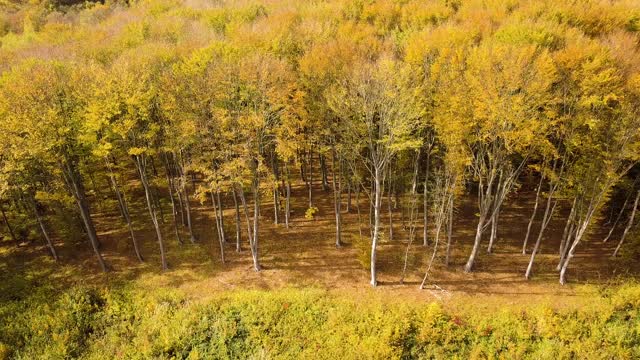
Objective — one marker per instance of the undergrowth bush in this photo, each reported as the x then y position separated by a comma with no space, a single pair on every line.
129,322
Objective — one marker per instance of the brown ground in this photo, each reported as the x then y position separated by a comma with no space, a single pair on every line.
305,256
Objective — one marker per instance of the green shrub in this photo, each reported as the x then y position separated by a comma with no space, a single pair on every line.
132,322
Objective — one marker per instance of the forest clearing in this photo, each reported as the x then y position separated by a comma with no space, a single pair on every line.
357,179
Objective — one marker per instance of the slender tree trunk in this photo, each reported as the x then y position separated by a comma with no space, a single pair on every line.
412,214
8,225
389,205
140,164
358,211
245,208
310,179
323,168
75,181
174,209
629,225
579,233
348,209
221,216
425,196
43,229
615,223
256,219
533,216
337,199
125,211
439,221
183,219
238,231
276,205
188,211
155,199
449,231
287,204
494,229
376,222
95,188
303,176
566,235
216,214
187,204
476,244
548,214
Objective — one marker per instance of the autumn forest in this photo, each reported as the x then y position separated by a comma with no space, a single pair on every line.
319,152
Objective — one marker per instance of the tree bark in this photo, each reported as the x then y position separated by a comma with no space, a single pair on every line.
629,225
615,223
337,199
376,222
170,187
546,218
43,229
8,225
323,168
125,211
141,166
256,220
287,204
77,188
221,216
238,231
533,216
449,232
216,214
425,196
412,214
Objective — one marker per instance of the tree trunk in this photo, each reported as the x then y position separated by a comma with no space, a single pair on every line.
494,230
337,199
125,211
245,208
323,168
412,214
629,225
256,219
476,245
79,195
8,225
348,209
43,229
566,235
174,210
533,215
287,204
389,208
358,211
140,164
276,205
221,216
439,221
425,235
188,211
449,231
216,214
615,223
580,231
310,179
548,214
376,222
238,231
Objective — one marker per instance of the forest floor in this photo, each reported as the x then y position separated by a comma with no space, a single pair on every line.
305,256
